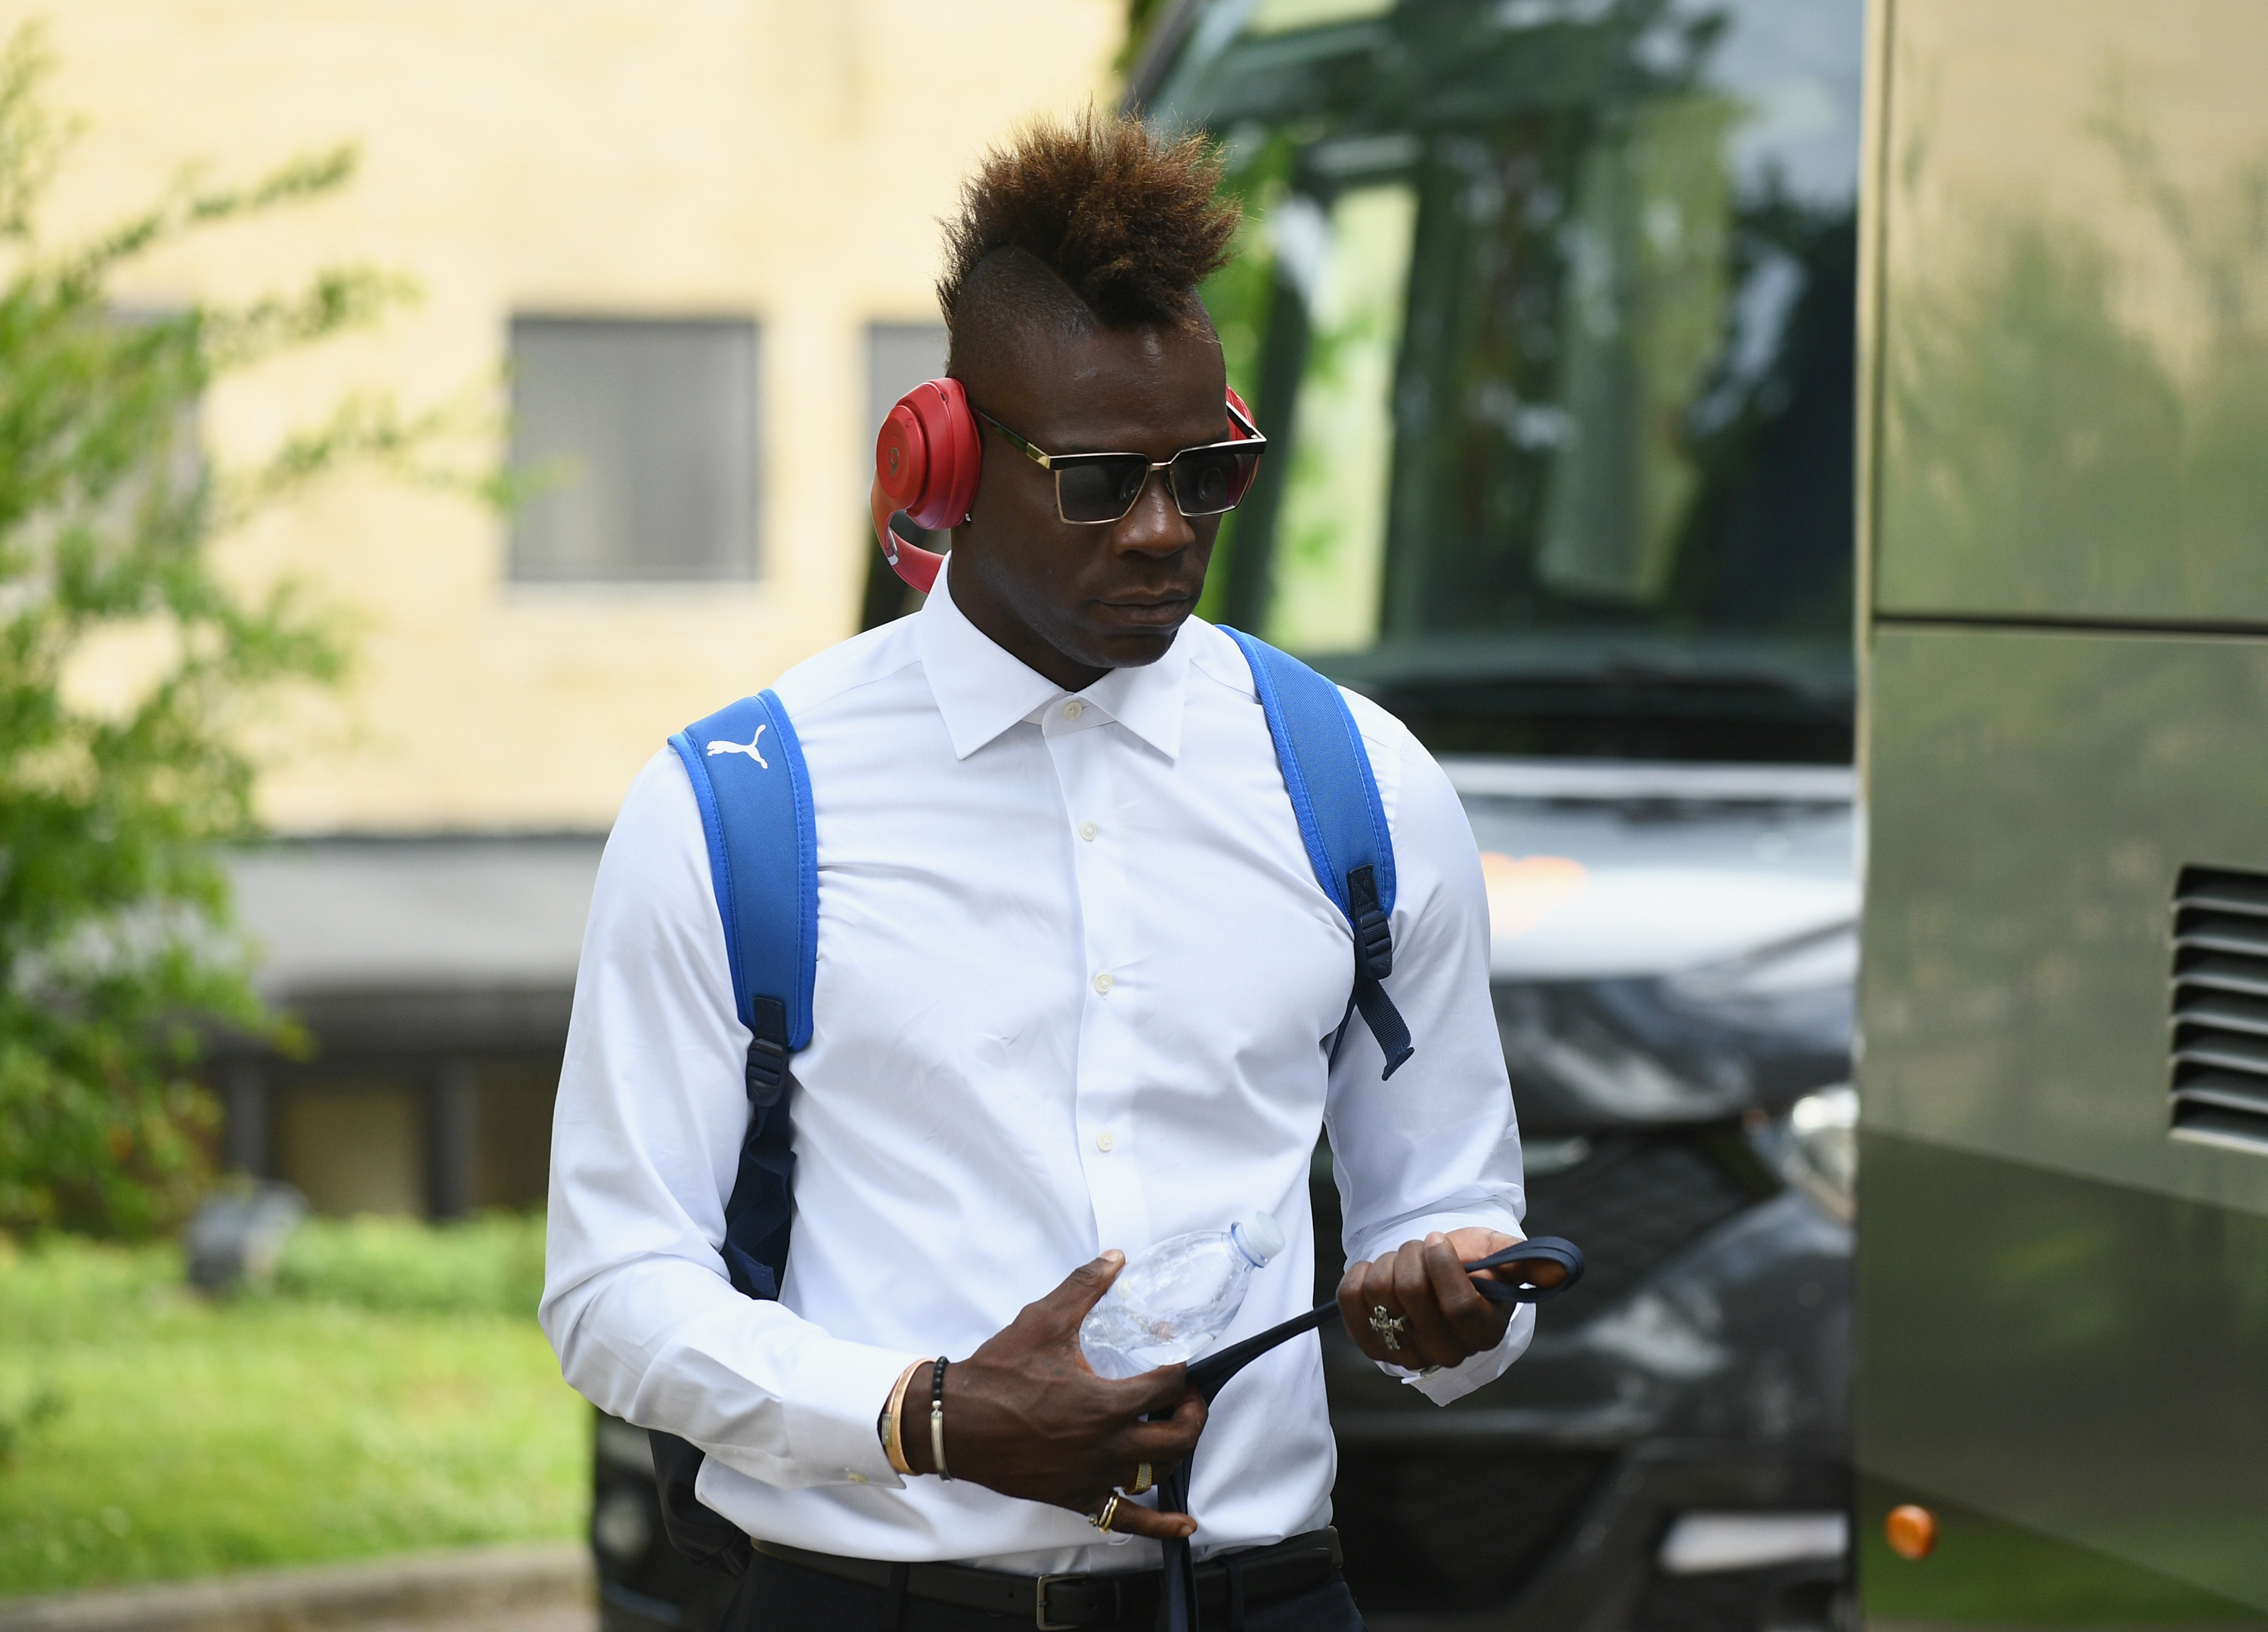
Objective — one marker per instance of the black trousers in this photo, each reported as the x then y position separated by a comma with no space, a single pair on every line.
777,1596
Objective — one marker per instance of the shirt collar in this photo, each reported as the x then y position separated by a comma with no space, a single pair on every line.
982,690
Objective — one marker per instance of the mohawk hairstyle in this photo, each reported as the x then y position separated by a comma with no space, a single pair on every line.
1127,221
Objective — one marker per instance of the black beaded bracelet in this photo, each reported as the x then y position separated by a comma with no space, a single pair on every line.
937,1417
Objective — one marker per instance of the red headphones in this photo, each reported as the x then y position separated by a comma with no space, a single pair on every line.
926,462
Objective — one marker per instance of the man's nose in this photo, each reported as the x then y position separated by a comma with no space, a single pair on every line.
1155,526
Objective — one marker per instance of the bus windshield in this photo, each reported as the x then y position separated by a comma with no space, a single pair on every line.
1549,307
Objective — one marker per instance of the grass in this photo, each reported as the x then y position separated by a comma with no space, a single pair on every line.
393,1393
492,1265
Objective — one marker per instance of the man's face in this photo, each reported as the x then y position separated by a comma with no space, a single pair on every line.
1066,598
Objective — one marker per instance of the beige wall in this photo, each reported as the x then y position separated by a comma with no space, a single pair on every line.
780,158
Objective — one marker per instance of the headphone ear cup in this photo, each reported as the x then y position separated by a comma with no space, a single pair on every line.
926,457
901,456
957,461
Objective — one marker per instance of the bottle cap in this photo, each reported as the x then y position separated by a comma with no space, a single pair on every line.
1258,1237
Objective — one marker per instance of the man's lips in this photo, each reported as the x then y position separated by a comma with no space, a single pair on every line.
1148,609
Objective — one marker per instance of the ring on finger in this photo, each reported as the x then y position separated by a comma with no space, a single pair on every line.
1142,1479
1390,1327
1102,1520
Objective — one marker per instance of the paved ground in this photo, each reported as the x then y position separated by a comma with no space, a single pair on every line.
543,1587
525,1618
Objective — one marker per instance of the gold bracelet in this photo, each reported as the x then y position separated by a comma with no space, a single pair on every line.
892,1444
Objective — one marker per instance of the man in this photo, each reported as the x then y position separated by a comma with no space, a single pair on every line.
1077,991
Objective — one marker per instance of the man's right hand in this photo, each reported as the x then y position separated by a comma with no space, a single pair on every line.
1027,1415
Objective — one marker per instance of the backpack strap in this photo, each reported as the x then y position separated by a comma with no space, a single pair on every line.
747,774
1341,819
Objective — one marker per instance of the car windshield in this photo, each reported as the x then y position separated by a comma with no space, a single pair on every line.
1548,305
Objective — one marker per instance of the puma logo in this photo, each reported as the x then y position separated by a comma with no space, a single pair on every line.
747,747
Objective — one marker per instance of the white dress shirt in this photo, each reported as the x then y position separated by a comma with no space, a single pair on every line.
1076,987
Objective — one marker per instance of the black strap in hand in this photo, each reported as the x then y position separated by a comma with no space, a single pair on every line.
1550,1249
1177,1601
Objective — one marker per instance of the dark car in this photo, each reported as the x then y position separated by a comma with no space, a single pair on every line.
644,1583
1674,952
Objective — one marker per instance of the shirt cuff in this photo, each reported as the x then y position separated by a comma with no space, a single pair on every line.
1456,1381
1379,1241
837,1391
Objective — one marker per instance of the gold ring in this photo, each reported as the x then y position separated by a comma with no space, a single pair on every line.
1142,1479
1102,1520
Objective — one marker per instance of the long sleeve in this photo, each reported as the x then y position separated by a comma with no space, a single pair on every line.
646,1142
1438,1146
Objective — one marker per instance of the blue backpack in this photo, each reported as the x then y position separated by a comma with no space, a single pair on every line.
748,777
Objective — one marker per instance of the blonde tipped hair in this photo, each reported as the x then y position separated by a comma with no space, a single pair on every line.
1129,220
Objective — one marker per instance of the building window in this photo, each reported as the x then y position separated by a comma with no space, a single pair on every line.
899,356
642,435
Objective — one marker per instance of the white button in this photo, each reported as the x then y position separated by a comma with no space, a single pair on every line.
1105,1141
1102,983
1087,830
1074,709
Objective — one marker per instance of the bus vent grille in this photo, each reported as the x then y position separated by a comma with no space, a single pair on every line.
2220,1008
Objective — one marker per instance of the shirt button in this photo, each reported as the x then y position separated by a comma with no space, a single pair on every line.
855,1476
1074,709
1105,1141
1087,830
1102,983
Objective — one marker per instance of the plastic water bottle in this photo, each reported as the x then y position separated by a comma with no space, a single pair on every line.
1170,1302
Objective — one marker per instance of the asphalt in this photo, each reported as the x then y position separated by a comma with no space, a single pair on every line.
539,1617
502,1589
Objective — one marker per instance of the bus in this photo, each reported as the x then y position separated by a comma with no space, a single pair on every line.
2062,1405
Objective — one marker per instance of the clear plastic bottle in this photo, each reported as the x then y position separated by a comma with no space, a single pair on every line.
1172,1301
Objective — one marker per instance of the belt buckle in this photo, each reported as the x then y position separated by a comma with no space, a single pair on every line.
1040,1605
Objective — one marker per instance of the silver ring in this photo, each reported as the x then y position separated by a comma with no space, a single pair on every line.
1102,1520
1390,1327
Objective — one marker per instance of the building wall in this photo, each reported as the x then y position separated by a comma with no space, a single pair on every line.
772,158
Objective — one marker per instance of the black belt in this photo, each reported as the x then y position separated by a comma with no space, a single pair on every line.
1260,1575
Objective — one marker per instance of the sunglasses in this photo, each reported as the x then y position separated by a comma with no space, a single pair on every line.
1094,489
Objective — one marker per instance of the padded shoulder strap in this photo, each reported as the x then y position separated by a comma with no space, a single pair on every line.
747,772
748,777
1334,794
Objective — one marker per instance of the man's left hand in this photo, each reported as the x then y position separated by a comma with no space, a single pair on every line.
1432,1315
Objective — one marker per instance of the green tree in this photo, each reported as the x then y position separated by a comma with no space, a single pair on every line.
1143,18
116,947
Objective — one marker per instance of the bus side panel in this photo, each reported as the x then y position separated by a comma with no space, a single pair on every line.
2064,1309
2031,799
1988,1575
2074,365
2082,1361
